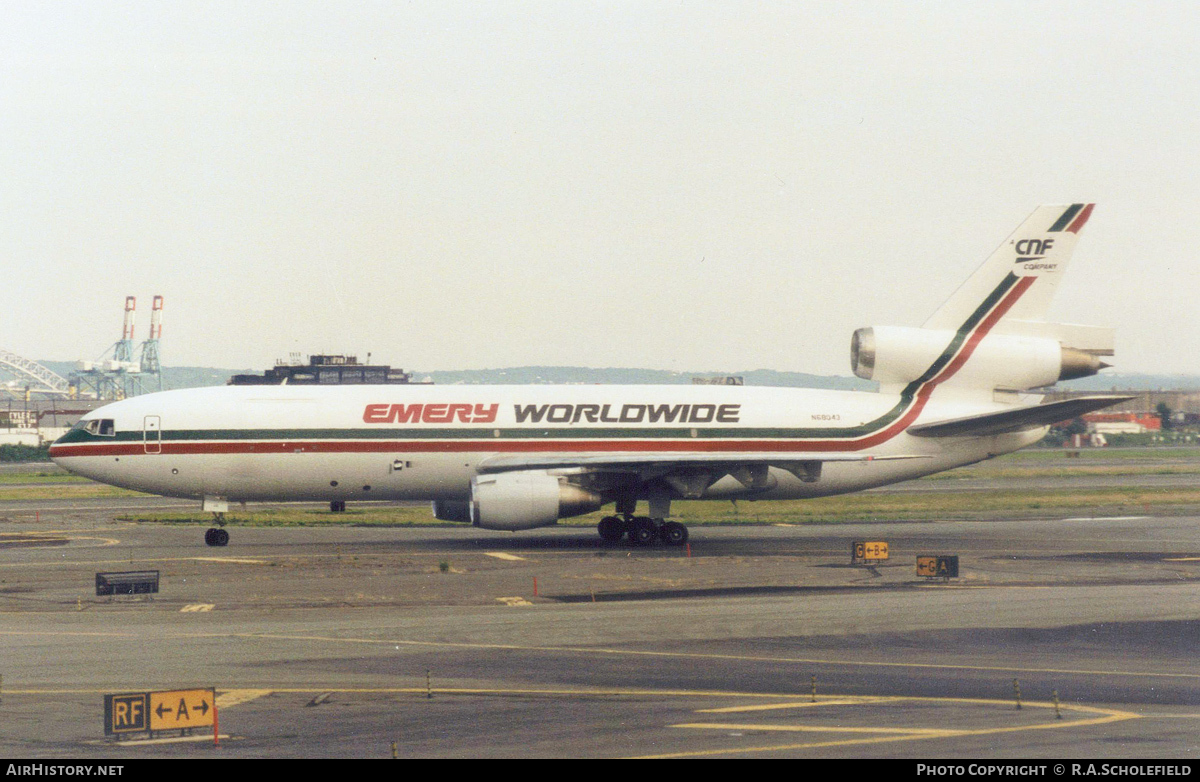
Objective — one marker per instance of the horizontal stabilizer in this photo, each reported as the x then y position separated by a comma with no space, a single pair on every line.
1018,419
1096,340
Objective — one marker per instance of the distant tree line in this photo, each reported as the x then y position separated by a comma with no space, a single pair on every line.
25,453
1165,414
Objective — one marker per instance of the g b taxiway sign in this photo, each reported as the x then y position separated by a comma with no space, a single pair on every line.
864,552
140,712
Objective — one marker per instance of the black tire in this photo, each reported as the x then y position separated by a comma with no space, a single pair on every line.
674,534
611,529
210,536
222,537
642,532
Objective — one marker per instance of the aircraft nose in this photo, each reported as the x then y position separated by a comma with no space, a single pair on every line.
60,454
56,452
59,458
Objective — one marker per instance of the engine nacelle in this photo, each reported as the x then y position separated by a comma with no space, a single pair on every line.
452,510
528,499
894,355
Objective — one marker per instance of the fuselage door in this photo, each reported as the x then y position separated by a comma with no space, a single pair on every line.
152,434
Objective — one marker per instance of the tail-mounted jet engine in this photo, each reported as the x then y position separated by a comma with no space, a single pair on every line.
527,499
894,355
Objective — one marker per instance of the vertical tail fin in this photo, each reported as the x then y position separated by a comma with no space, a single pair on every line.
1039,248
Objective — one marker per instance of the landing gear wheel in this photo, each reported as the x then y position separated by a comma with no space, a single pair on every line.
611,529
674,534
337,506
642,532
216,537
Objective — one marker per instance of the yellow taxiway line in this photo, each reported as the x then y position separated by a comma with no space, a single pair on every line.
234,697
1104,716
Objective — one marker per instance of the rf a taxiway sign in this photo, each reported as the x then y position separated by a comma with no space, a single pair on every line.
178,709
140,712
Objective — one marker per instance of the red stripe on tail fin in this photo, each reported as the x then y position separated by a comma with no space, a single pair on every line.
1081,219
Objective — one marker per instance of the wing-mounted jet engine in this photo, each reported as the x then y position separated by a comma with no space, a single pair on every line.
524,500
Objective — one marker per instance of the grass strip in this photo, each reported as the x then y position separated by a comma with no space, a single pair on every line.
83,491
35,478
863,507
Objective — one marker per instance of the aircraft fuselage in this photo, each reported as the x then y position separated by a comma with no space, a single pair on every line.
280,443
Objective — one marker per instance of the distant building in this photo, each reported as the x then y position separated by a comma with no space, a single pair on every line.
40,421
1180,401
326,371
728,380
1123,423
1093,440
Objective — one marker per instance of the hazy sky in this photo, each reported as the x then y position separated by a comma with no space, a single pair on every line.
674,185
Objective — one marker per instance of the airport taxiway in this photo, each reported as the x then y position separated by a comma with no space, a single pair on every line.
339,641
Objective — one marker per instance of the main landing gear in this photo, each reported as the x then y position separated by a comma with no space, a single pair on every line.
217,536
642,530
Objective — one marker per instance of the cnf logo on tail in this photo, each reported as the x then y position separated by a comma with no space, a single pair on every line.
1033,249
1031,253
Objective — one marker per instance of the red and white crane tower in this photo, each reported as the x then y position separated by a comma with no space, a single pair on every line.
118,374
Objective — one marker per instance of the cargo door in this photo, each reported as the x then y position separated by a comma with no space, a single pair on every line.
152,434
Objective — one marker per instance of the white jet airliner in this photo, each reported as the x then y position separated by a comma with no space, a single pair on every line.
959,389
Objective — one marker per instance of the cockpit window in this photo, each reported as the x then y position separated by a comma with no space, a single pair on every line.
103,427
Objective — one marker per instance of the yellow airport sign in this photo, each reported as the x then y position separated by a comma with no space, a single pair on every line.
180,709
862,552
937,567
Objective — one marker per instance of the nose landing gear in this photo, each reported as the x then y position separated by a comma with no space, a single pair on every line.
216,536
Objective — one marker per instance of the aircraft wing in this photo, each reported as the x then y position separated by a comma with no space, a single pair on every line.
632,462
689,472
1017,419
